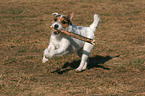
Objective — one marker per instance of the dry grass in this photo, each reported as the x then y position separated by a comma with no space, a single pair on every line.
25,34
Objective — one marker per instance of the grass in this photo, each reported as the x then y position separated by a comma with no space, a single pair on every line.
116,65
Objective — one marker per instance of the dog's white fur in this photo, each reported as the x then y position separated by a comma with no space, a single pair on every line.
61,44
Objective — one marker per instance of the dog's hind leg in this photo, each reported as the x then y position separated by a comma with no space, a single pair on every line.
79,53
84,58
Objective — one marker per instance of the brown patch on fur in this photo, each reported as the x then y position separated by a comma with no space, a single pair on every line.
63,19
56,19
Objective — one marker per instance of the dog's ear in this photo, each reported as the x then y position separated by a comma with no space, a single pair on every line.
55,13
70,16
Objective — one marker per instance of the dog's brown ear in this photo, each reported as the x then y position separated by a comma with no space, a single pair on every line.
70,16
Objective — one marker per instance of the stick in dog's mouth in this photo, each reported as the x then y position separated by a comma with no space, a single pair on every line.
77,36
55,31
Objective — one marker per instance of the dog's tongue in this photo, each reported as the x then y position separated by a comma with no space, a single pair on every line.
56,32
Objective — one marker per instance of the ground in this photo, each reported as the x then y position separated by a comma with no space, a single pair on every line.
117,63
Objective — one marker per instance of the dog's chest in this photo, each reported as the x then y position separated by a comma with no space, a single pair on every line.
56,41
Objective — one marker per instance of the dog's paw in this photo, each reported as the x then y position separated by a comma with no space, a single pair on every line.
49,56
79,70
85,66
44,60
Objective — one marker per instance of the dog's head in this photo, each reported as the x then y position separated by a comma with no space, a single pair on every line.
61,22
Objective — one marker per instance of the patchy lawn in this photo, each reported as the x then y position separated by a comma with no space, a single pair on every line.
117,63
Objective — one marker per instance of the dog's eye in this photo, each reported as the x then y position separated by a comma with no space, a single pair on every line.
63,22
55,19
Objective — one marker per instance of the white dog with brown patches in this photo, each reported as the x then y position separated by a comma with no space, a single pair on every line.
62,44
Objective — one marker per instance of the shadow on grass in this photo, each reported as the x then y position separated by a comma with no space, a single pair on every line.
93,63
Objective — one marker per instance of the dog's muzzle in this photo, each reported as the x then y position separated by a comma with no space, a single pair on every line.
56,32
57,27
54,29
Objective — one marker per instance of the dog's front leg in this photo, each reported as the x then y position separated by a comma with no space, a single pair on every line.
46,52
59,52
62,50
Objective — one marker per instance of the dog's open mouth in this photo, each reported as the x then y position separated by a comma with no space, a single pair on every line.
56,32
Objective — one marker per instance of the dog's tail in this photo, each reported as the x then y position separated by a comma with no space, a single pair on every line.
94,25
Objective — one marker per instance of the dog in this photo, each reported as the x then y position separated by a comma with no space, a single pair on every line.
63,45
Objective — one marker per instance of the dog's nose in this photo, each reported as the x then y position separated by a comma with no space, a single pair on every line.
56,26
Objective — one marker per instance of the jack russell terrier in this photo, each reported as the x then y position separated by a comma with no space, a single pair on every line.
61,44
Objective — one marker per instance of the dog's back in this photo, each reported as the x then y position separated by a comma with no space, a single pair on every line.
88,32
